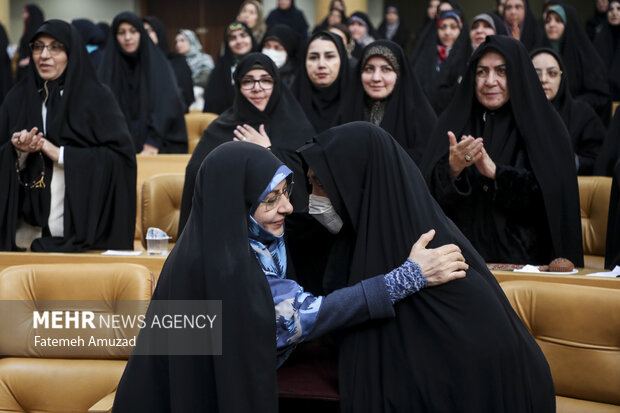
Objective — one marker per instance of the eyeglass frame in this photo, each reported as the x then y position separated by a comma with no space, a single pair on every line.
255,81
286,191
53,49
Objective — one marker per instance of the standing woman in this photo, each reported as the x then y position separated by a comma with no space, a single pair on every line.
520,23
265,108
251,13
503,168
145,87
362,31
68,166
387,93
607,45
322,83
33,18
584,69
393,28
201,64
157,32
220,89
287,13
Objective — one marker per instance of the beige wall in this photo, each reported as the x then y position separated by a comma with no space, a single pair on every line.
4,15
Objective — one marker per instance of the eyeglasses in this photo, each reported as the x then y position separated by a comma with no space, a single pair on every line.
552,73
272,200
54,49
265,83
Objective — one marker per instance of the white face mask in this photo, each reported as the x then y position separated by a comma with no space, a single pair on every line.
278,57
323,211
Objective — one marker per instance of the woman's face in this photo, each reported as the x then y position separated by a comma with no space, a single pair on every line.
514,12
479,32
378,78
275,207
602,5
284,4
391,17
613,14
239,42
448,31
491,82
334,17
554,26
322,62
549,73
274,45
257,86
431,10
248,15
128,37
358,30
50,57
151,32
181,43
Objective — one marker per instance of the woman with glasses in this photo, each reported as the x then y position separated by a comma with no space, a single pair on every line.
584,127
265,112
68,168
145,87
233,250
503,168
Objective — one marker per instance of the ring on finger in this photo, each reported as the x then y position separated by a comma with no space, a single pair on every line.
467,158
245,139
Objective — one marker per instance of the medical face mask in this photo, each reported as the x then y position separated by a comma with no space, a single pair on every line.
323,211
278,57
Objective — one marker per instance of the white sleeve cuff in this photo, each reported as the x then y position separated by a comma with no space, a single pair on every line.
61,156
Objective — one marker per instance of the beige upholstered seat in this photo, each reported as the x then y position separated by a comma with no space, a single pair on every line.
594,192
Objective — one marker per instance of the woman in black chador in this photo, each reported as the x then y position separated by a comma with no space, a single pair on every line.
458,347
243,191
145,87
607,45
503,169
584,127
387,93
68,166
268,103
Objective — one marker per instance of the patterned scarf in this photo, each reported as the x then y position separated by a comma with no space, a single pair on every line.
269,249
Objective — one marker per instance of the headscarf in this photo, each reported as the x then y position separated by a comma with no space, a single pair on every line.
440,80
607,44
212,260
530,30
323,106
369,37
486,17
527,121
584,127
587,79
198,62
182,72
258,31
292,17
93,38
99,161
146,89
454,345
285,124
291,43
220,90
397,32
406,114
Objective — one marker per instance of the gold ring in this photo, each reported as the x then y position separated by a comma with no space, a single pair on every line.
467,158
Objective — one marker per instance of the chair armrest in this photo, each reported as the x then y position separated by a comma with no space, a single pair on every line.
104,405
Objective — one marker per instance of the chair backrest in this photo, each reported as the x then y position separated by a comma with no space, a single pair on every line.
196,123
103,289
594,192
154,165
161,203
578,330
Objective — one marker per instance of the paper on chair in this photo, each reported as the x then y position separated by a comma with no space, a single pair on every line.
534,269
611,274
122,253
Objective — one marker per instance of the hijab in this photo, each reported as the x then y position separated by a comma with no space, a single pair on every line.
584,127
182,71
204,265
607,45
539,127
531,35
587,79
406,114
145,88
397,32
323,106
410,360
100,202
292,17
440,80
285,124
198,62
220,90
291,43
